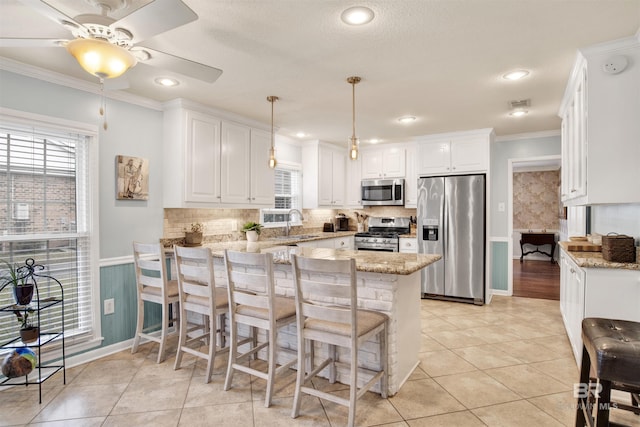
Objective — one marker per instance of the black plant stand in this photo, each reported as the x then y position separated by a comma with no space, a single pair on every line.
42,372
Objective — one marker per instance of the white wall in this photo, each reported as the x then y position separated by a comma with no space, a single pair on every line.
133,131
621,219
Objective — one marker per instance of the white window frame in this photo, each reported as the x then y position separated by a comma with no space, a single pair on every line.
297,221
91,340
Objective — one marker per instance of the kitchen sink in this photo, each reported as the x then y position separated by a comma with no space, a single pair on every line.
297,237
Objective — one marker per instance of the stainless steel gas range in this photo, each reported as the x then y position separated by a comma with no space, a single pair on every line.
383,234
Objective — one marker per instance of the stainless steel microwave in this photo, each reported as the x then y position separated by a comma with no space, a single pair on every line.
383,192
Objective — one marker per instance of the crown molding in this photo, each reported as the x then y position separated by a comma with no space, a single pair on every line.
75,83
530,135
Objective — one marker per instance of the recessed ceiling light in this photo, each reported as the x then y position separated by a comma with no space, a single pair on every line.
518,113
406,119
167,81
301,134
358,15
515,74
374,140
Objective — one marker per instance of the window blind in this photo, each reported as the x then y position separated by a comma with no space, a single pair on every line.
45,215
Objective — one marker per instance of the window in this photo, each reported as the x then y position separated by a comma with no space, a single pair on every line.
287,196
46,208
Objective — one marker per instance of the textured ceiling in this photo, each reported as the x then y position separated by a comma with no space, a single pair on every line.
441,61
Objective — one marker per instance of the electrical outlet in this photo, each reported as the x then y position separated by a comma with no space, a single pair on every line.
234,225
109,306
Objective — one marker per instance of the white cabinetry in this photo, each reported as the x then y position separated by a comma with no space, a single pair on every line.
411,179
388,162
246,176
455,153
323,180
331,243
595,292
191,159
600,127
353,194
409,245
211,161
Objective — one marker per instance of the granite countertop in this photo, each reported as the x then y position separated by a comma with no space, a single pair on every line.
366,261
595,260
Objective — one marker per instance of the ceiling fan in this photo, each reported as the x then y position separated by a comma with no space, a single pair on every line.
107,48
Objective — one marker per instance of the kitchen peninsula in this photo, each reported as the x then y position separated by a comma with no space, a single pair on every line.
387,282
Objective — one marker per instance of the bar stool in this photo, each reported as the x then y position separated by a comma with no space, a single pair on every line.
611,349
252,302
152,285
199,294
327,312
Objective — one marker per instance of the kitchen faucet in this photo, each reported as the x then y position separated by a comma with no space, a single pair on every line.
286,233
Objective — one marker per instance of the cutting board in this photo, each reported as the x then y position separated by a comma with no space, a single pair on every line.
583,247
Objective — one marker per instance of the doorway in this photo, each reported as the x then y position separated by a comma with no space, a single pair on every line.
533,207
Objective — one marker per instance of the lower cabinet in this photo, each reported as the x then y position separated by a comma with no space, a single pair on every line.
409,245
595,292
334,243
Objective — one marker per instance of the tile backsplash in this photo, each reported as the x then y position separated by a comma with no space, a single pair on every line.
218,223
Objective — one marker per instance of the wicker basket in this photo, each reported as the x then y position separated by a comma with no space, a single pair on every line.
618,248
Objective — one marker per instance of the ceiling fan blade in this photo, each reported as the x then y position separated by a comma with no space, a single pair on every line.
155,18
182,66
50,12
16,42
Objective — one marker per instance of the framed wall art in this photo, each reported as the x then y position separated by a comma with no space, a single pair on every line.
132,178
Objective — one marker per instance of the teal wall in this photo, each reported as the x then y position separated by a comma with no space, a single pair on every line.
118,282
501,152
499,266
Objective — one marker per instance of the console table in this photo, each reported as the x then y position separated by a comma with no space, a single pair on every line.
537,240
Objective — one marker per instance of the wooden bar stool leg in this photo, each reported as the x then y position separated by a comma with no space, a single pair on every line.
603,401
583,398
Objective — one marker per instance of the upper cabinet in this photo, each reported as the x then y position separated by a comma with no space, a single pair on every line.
246,176
411,179
324,171
214,162
388,162
600,127
454,153
353,193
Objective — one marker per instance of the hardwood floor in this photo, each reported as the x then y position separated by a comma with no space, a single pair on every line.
536,279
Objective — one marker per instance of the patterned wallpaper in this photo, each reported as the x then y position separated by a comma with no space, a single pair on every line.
535,200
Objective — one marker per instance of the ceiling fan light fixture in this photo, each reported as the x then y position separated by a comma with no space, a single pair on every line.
101,58
358,15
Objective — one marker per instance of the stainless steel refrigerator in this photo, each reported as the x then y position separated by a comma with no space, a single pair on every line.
451,222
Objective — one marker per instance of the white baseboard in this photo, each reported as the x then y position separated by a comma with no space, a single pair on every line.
501,292
98,353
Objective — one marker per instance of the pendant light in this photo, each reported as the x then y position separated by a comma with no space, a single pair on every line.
272,150
353,141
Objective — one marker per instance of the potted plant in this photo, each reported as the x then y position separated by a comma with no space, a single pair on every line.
194,237
22,289
28,332
252,230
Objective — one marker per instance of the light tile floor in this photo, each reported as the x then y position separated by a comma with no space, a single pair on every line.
504,364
